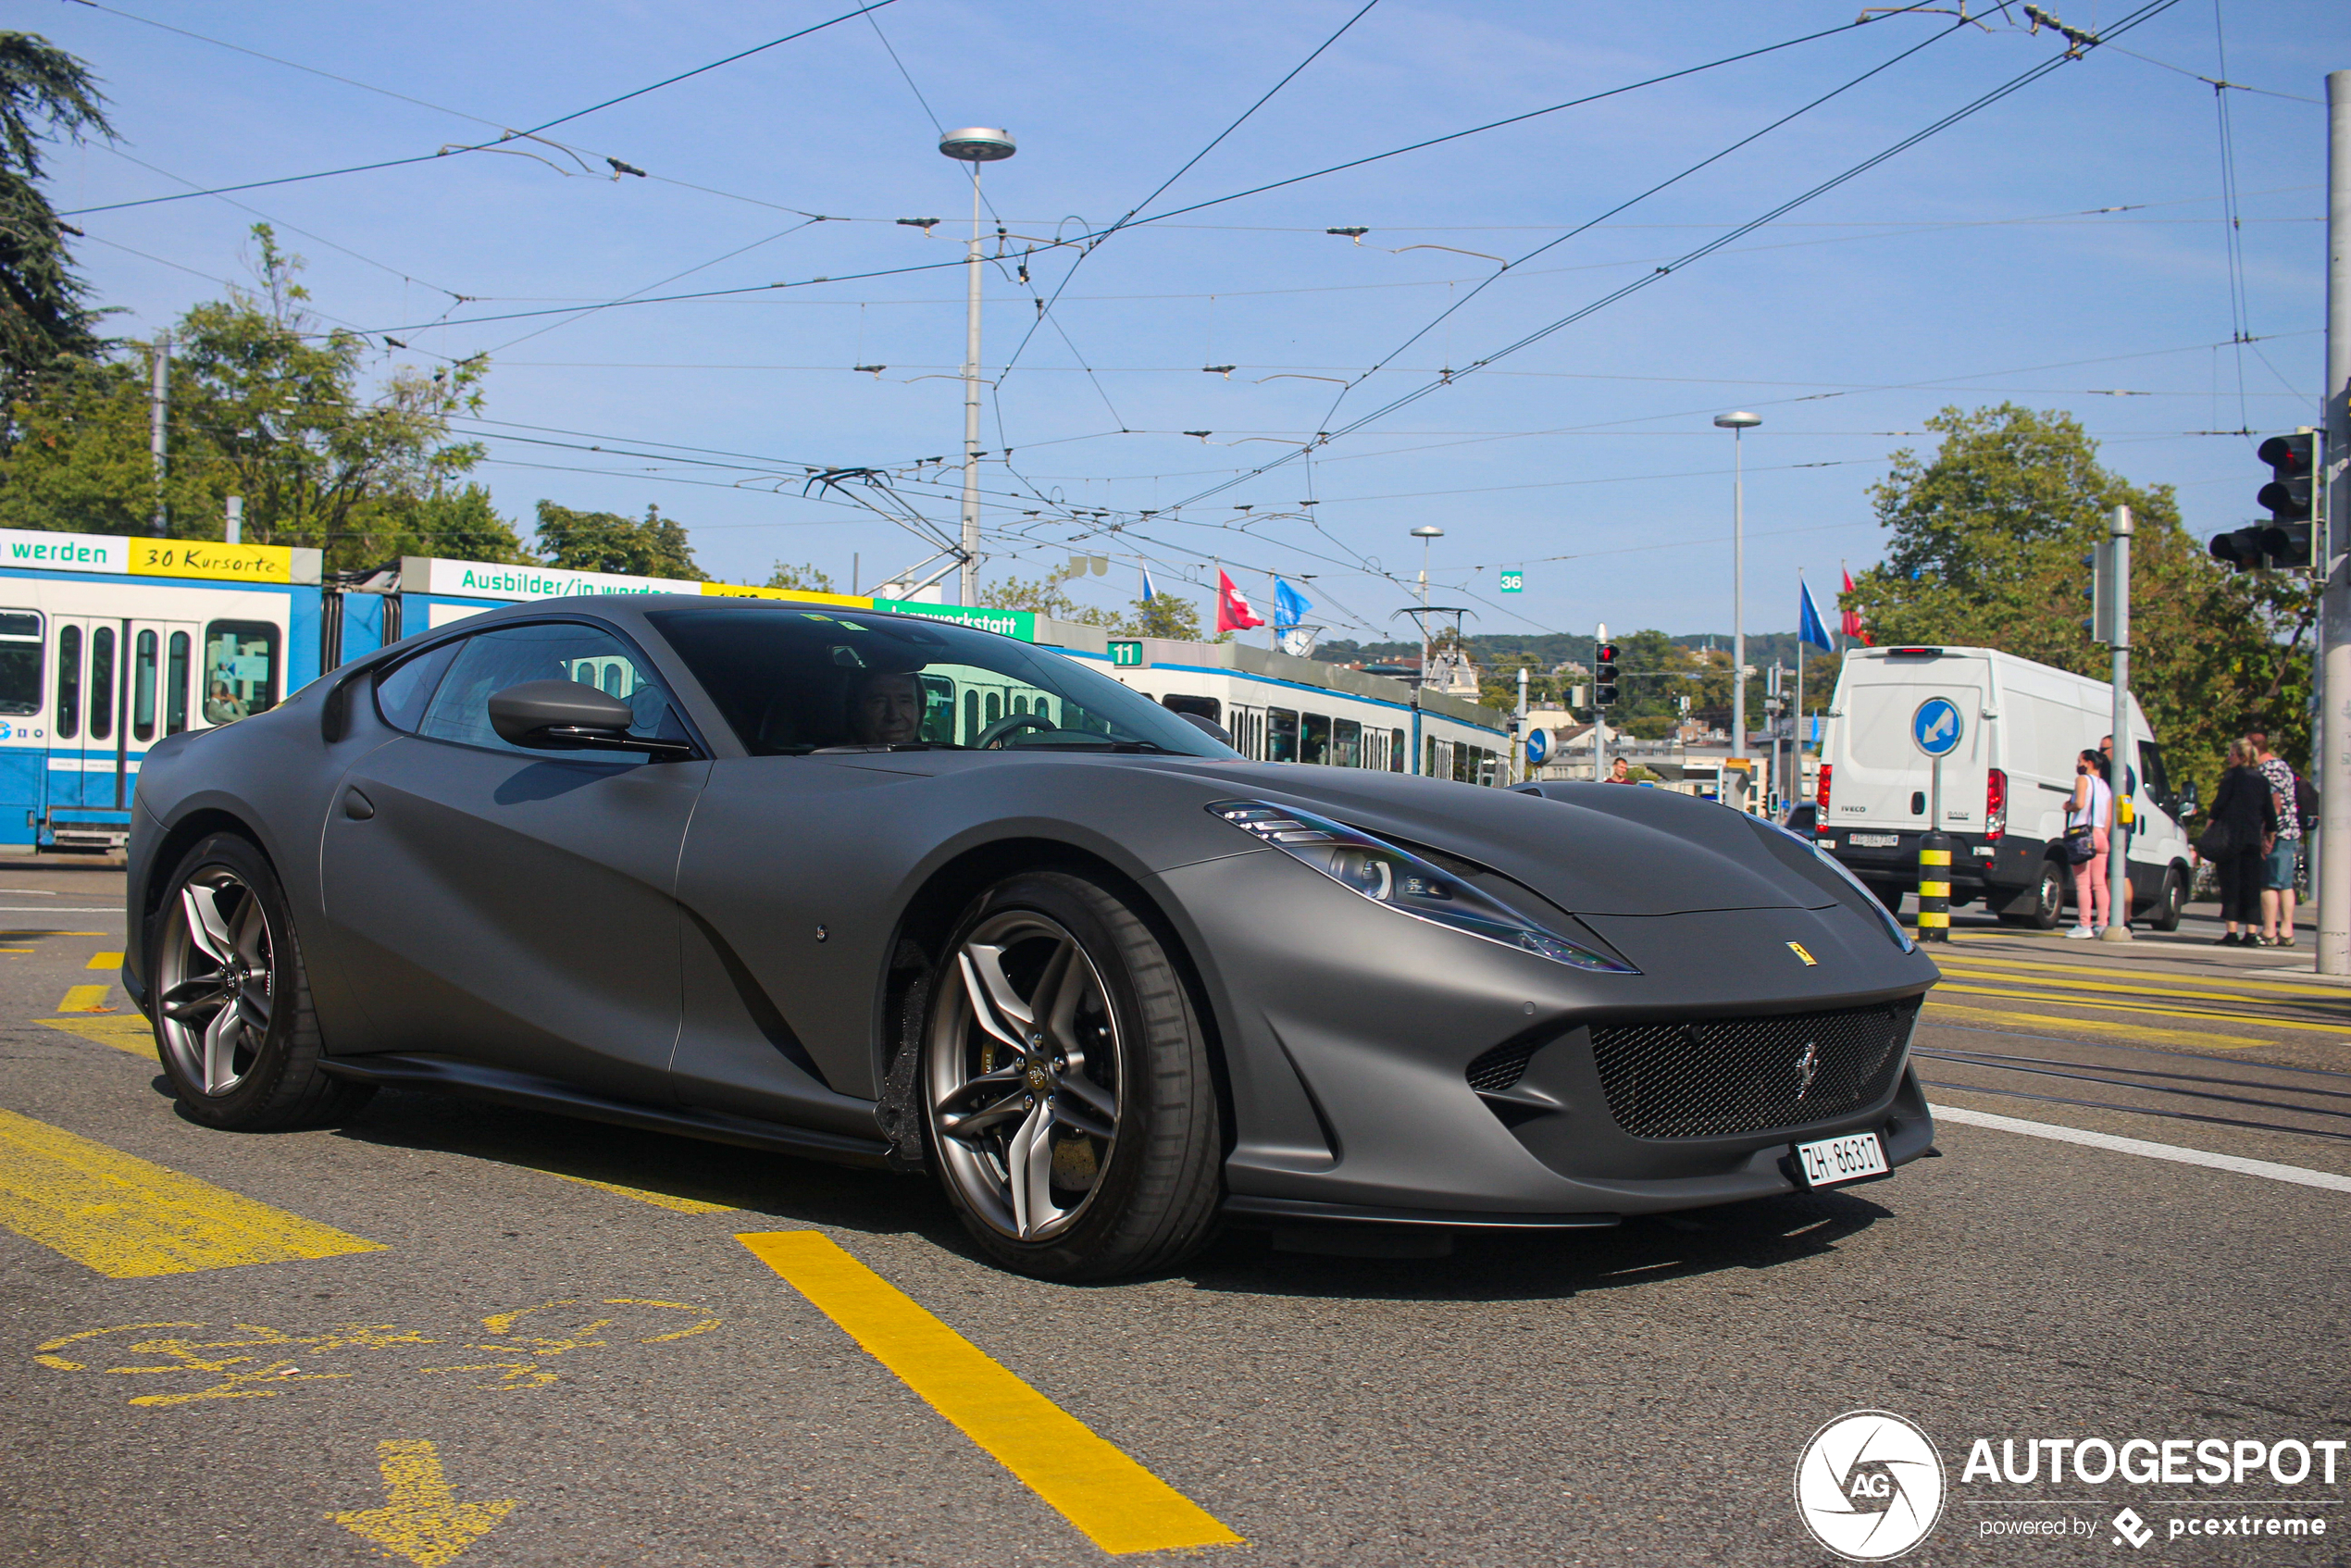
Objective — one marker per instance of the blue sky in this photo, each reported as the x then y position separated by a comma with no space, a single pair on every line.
1984,262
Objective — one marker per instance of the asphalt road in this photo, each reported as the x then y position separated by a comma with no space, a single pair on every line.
471,1351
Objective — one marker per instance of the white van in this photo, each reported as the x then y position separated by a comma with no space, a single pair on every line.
2005,786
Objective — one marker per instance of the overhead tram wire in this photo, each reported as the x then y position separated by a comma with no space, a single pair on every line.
1982,101
506,136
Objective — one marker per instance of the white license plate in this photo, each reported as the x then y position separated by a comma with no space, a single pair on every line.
1874,841
1834,1160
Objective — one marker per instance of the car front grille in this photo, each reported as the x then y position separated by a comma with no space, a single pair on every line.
1712,1077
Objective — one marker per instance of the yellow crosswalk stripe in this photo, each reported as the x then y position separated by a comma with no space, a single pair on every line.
83,999
1121,1506
2095,1026
1972,970
105,961
2290,988
658,1200
2045,1001
124,1031
129,1218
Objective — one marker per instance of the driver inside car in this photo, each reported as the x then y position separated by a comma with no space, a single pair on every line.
885,708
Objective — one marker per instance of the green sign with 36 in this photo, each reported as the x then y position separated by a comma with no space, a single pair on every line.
1514,582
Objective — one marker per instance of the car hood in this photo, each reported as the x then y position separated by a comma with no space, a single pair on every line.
1591,849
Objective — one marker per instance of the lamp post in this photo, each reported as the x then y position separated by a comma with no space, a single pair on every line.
974,145
1424,533
1739,425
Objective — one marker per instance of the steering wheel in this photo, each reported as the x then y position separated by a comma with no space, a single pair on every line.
997,733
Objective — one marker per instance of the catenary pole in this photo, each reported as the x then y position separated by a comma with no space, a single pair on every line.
158,409
2118,863
2334,769
974,145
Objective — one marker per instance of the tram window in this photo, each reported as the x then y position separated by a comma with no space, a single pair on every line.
970,717
1281,735
20,662
142,686
102,683
175,685
1208,708
68,682
240,670
1347,743
1397,751
1314,737
938,710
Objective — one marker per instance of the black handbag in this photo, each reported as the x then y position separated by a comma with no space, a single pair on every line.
2216,842
2081,845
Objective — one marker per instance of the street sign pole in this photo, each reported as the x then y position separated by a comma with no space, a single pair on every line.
2117,866
1935,729
2334,686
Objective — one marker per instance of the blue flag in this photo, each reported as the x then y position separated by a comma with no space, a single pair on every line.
1148,592
1810,628
1289,605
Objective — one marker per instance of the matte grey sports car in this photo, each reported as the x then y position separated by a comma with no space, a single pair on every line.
895,891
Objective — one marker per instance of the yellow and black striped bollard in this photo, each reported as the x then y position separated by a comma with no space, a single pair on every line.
1934,886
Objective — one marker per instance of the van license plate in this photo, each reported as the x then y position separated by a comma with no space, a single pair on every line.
1874,841
1835,1159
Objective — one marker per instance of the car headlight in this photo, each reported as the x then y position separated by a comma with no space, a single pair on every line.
1406,883
1893,927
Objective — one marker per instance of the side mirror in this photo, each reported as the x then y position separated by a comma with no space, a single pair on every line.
571,715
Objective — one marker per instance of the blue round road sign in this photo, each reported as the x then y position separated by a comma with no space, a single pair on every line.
1935,726
1539,746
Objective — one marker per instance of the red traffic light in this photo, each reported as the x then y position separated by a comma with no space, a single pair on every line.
1606,654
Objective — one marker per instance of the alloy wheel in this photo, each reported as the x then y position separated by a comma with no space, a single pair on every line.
214,980
1021,1075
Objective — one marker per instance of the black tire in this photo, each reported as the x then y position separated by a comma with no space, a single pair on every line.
1144,1198
233,1021
1887,893
2171,903
2042,906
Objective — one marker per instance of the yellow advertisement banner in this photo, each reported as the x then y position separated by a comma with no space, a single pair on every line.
197,558
735,590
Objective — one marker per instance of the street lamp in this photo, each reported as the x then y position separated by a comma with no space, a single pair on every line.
1424,533
1739,425
974,145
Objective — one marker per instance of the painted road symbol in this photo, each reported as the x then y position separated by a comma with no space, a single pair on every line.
1935,726
422,1519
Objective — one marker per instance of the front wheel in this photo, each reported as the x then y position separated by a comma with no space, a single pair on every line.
232,1016
2171,903
1068,1104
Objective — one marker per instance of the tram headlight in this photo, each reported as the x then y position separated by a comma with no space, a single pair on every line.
1406,883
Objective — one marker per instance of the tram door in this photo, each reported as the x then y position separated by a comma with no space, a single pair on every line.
119,684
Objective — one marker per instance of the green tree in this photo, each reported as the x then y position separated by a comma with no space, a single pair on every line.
606,542
459,525
1985,545
1042,596
1165,614
45,316
800,579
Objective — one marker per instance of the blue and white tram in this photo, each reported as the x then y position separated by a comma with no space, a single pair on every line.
107,643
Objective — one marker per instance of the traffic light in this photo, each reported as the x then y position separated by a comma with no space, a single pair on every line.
1604,676
2287,541
2240,549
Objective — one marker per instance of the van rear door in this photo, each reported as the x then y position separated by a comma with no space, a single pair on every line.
1883,780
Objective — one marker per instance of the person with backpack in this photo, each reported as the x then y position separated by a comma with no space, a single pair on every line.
2286,850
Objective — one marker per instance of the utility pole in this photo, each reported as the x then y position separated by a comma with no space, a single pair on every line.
159,405
1520,747
2118,859
974,145
1739,425
1600,712
2334,762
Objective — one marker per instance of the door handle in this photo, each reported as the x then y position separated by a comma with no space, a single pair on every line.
356,806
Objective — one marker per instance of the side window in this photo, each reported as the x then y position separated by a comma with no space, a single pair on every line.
68,682
102,683
1347,743
489,663
1396,748
143,674
1314,738
401,693
239,672
1281,735
175,687
20,662
2151,775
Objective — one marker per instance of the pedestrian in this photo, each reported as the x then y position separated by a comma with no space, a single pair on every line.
2285,852
2088,816
2241,826
1620,772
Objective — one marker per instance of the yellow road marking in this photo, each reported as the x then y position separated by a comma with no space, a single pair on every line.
85,998
422,1519
129,1218
125,1032
1972,970
105,961
2336,1029
658,1200
2100,1025
2286,986
1121,1506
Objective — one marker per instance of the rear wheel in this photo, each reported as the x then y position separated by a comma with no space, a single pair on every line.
2040,905
2171,903
232,1016
1068,1104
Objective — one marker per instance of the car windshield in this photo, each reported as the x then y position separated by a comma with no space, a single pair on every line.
791,681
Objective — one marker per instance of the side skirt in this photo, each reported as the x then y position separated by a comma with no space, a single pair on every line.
446,1076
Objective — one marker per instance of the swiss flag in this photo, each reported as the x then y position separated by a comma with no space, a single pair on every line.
1233,613
1852,626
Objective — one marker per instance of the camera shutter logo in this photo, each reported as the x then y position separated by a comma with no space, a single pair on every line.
1870,1485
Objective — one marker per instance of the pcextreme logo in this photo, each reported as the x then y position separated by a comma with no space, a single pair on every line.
1869,1485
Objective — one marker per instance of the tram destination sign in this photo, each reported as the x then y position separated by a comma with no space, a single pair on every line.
113,555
